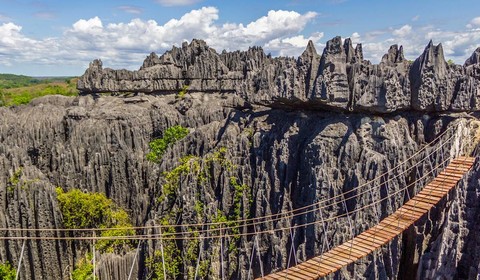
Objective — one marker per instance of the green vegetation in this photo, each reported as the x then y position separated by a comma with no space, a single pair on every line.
200,171
7,272
181,94
171,257
22,92
95,210
14,180
160,145
198,167
83,268
450,62
15,81
18,181
172,178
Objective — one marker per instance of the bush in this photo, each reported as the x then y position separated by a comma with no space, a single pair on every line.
7,272
95,210
171,256
181,94
160,145
83,268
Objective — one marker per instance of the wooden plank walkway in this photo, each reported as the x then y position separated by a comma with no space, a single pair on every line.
379,235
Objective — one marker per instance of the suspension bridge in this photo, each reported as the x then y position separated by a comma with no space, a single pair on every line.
437,182
379,235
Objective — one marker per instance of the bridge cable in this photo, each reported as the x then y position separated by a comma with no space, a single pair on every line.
256,218
134,261
187,235
20,260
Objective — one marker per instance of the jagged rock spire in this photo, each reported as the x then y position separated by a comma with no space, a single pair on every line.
474,58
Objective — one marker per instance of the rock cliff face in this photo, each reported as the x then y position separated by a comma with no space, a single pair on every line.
282,156
339,79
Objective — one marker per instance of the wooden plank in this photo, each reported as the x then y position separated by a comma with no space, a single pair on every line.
323,266
364,245
332,263
459,170
286,274
407,213
357,249
394,225
432,189
426,199
435,192
390,227
430,192
303,273
418,204
445,177
379,235
348,254
308,266
333,256
434,197
441,185
373,240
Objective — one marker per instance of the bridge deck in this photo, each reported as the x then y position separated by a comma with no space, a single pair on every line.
379,235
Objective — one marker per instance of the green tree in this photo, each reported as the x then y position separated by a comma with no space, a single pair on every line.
95,210
160,145
7,272
83,268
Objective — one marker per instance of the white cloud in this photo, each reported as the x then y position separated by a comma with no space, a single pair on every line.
125,44
415,18
402,31
91,26
457,45
170,3
292,46
474,23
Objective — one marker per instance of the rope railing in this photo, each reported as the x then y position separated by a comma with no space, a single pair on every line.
272,217
189,235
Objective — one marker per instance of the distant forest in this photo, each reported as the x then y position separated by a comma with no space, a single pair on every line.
16,81
19,89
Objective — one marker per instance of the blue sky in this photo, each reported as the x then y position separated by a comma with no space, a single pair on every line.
52,37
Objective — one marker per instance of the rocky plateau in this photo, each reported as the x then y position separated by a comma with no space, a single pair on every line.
289,131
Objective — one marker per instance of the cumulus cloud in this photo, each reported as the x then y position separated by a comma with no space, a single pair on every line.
402,31
292,46
457,45
170,3
474,23
125,44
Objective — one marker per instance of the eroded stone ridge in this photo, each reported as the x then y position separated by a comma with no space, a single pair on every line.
339,79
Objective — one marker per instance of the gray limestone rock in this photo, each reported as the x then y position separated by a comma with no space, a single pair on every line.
339,79
286,159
